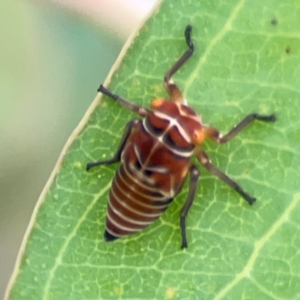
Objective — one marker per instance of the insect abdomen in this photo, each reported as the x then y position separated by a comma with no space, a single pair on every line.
143,186
131,207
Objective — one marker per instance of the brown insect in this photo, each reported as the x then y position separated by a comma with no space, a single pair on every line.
155,154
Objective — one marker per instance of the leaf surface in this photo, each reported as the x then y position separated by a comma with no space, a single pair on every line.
246,60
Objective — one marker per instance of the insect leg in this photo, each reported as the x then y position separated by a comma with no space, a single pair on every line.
135,108
194,176
205,161
215,135
172,89
128,128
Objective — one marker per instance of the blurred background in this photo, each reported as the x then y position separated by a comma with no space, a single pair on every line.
54,54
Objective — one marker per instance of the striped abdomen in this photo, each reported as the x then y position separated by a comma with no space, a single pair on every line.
154,164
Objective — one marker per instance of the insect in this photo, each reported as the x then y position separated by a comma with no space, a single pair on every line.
155,158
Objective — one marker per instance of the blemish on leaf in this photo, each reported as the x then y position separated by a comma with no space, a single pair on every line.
103,103
170,293
78,165
288,50
118,290
274,22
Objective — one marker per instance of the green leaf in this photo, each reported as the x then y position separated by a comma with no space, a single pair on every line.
246,60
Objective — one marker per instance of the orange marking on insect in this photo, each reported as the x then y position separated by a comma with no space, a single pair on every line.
157,103
198,136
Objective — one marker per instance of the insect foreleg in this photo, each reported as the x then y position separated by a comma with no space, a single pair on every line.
135,108
172,89
185,56
214,134
194,176
205,161
128,128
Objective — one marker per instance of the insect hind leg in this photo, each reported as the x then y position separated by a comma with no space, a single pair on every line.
194,177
